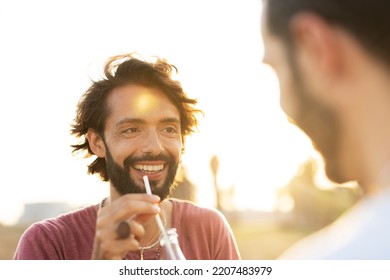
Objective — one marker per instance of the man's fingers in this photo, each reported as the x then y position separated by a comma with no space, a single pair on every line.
127,206
117,227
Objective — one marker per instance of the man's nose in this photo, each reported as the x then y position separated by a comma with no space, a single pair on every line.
152,144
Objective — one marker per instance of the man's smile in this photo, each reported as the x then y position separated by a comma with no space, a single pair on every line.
149,168
155,170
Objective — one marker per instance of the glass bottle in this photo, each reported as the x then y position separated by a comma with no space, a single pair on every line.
175,253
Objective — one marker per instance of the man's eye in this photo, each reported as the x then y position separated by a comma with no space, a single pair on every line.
131,130
170,130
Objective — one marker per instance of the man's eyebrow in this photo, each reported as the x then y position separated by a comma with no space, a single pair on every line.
129,121
141,121
170,120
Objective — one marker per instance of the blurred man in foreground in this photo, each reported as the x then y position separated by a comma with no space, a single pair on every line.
332,58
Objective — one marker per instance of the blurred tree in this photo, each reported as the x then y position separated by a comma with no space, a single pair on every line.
314,206
214,165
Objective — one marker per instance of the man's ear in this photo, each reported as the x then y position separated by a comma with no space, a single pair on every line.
319,49
319,39
96,143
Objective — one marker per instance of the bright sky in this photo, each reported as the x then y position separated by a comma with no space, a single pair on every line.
50,49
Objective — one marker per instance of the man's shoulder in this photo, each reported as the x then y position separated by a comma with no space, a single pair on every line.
190,205
85,215
60,237
361,233
193,210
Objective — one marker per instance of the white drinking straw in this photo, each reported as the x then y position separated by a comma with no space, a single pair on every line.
159,222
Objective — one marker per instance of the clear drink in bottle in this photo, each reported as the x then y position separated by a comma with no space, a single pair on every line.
176,253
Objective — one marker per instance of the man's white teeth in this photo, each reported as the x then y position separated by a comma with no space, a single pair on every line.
149,168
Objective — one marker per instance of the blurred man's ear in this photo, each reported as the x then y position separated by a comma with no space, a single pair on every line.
319,51
319,40
96,143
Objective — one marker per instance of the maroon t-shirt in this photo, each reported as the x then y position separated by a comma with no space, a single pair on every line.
203,233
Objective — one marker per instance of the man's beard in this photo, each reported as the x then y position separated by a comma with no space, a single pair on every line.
121,180
320,123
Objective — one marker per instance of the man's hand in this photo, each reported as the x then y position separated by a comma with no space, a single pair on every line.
133,208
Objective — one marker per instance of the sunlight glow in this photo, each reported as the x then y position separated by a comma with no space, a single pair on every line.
146,103
48,61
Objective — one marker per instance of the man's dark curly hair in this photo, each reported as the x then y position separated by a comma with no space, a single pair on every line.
92,110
